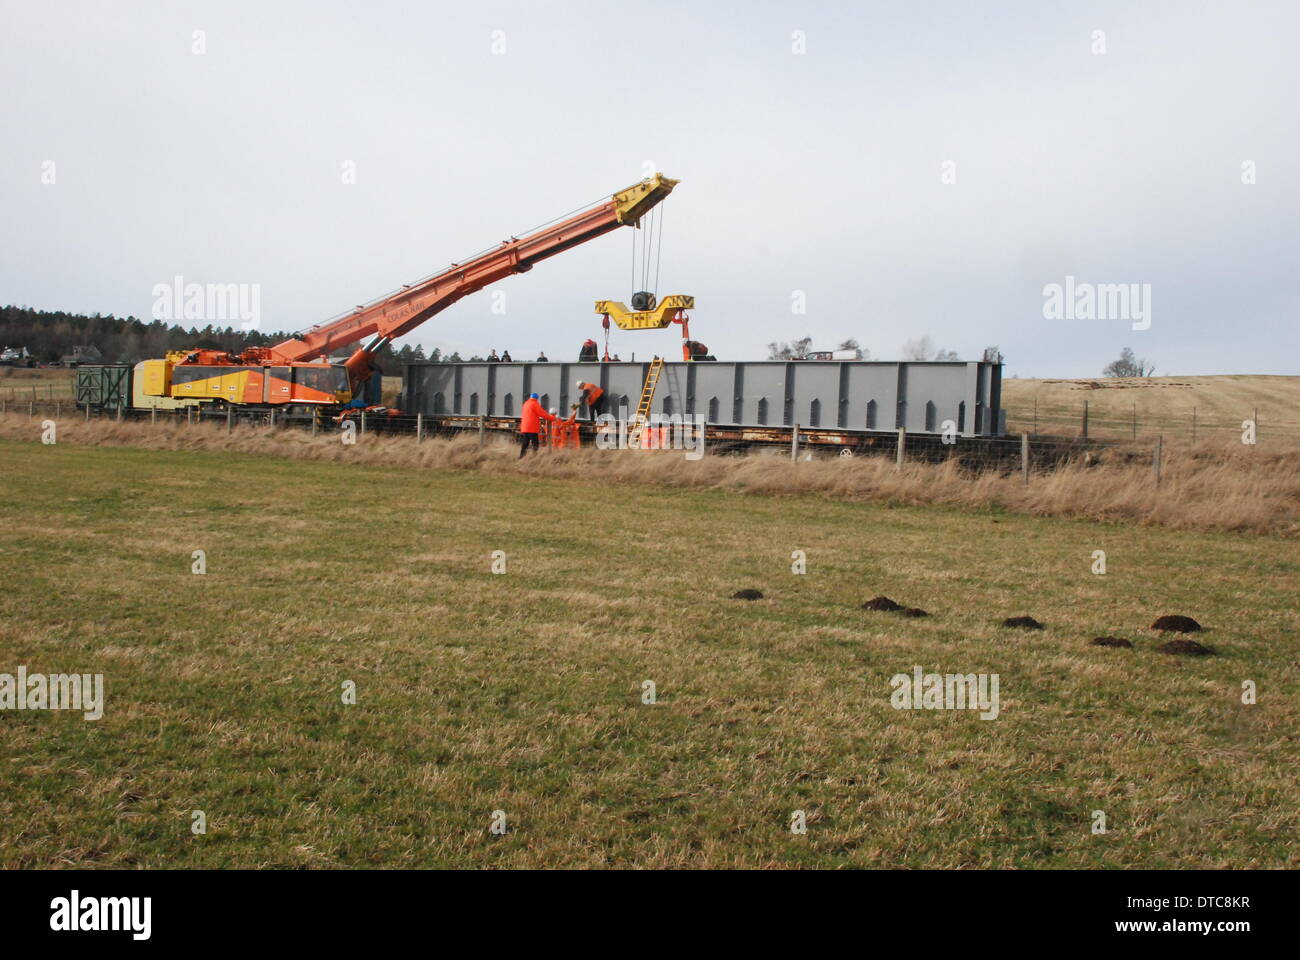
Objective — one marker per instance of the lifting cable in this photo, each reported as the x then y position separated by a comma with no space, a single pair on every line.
651,252
659,252
645,247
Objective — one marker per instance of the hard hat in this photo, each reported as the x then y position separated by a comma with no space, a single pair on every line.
532,396
579,384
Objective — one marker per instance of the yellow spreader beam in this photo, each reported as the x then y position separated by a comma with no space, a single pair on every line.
664,314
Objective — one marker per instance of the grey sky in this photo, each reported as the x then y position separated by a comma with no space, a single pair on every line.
818,172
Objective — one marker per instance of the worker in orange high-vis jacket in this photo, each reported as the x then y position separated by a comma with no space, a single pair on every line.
530,423
593,397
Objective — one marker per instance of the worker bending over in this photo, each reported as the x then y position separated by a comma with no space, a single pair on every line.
530,422
593,397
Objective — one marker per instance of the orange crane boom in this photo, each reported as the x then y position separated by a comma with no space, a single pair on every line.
401,312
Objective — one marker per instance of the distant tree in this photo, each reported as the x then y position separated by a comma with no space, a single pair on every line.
918,349
454,357
923,348
992,354
476,359
418,353
789,351
50,335
1129,365
852,344
436,356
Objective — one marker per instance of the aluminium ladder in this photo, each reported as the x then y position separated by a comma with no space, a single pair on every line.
642,414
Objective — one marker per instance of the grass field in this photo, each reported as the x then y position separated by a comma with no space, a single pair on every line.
523,692
18,384
1210,408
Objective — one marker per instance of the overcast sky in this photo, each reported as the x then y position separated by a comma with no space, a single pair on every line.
819,171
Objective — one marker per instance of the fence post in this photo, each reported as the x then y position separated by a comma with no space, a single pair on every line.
31,409
315,421
482,428
273,418
230,419
794,443
902,443
1254,418
88,411
1193,424
1156,456
188,418
419,427
1024,457
120,410
363,421
153,414
1085,419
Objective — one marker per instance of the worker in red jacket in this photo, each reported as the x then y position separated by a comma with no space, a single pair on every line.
530,423
593,397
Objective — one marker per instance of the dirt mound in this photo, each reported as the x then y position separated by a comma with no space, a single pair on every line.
1028,623
914,612
1176,623
881,603
747,594
1189,647
1111,642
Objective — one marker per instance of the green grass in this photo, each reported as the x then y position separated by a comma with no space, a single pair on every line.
522,692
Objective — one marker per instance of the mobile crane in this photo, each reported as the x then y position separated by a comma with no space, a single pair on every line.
298,371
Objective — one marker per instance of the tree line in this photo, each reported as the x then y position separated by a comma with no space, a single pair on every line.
50,335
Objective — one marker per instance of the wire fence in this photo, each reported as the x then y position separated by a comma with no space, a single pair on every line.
1190,426
1024,455
17,388
1055,423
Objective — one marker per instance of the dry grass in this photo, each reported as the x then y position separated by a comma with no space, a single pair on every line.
1216,488
1162,405
18,384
